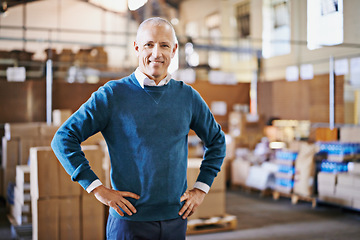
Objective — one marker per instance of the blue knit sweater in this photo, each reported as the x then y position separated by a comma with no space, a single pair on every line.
146,133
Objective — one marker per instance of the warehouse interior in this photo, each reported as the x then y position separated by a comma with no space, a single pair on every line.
281,77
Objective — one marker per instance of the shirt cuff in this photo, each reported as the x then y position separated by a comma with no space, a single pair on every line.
93,185
202,186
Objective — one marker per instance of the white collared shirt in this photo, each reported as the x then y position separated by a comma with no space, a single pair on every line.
146,81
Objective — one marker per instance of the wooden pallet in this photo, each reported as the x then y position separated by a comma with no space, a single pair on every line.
23,232
247,189
211,225
295,198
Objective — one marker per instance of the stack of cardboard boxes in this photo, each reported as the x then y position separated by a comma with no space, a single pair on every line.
18,139
53,196
214,203
60,208
245,129
341,188
286,171
21,209
339,179
348,187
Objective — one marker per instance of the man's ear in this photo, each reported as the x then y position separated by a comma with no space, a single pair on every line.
174,50
136,47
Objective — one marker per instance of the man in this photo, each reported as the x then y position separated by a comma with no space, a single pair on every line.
145,119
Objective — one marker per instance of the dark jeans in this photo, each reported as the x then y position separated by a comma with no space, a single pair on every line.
119,229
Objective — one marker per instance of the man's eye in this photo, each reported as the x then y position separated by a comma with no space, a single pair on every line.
148,45
165,46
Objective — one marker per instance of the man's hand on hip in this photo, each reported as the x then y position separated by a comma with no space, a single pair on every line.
116,199
193,199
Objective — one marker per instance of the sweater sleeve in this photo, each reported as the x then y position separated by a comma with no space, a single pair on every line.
89,119
209,131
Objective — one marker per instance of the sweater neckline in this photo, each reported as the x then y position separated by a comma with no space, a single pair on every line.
160,88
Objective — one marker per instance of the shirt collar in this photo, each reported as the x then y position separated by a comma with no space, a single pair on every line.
146,81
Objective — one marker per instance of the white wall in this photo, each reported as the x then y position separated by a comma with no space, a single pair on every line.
196,11
69,14
275,68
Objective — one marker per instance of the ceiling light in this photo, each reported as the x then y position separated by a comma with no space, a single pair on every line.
136,4
3,7
112,5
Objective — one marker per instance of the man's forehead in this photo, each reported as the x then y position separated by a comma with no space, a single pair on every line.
158,33
149,27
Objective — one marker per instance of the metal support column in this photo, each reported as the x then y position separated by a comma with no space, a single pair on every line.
49,82
331,94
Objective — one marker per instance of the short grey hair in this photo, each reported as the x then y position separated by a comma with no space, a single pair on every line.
157,21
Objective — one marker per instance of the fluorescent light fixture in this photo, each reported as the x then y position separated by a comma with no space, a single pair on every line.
174,21
136,4
112,5
277,145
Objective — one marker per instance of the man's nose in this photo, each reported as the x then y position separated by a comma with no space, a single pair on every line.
156,51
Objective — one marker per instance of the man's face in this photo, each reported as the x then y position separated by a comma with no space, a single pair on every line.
155,48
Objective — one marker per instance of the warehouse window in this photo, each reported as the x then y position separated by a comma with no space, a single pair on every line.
192,57
276,31
243,19
213,25
325,21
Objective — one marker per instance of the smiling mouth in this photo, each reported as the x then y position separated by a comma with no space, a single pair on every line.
155,62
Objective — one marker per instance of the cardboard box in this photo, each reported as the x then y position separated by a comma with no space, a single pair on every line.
22,187
10,156
284,175
70,227
289,163
194,170
305,170
344,191
213,206
44,173
10,153
326,134
195,151
260,177
92,209
22,213
95,156
237,121
23,130
67,188
350,134
327,178
45,218
354,167
47,131
22,174
230,147
347,179
22,196
240,171
25,144
93,140
106,164
326,190
60,116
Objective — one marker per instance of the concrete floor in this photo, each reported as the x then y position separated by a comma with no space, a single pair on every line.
5,227
264,218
